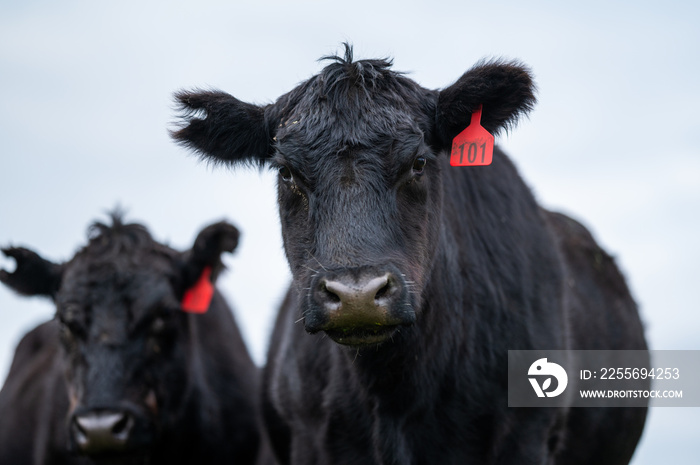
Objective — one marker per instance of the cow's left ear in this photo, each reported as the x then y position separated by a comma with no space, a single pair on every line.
505,89
34,275
211,242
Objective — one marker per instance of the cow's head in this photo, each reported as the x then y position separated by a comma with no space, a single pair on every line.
123,332
360,151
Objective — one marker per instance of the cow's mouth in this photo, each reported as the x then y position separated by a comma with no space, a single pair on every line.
362,336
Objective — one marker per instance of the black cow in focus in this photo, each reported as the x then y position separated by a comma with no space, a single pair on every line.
123,375
414,278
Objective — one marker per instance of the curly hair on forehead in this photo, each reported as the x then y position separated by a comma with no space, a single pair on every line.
362,74
106,241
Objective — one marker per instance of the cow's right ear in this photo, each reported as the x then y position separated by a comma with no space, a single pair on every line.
222,128
33,275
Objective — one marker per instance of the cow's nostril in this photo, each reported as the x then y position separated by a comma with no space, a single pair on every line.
122,427
330,296
384,290
79,434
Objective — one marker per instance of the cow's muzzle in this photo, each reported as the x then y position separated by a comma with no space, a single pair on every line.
109,432
359,307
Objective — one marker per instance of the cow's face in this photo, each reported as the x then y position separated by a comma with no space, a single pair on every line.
359,200
123,332
358,150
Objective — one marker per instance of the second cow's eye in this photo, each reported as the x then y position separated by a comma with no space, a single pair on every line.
69,319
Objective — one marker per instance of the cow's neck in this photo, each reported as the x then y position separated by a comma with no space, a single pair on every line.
412,369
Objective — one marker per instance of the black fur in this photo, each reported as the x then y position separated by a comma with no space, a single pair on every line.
365,188
121,342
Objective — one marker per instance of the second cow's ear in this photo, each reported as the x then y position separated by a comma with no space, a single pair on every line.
505,89
34,275
206,251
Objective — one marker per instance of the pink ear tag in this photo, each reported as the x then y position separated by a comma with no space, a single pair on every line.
198,297
474,145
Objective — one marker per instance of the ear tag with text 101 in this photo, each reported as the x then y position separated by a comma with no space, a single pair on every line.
198,297
474,145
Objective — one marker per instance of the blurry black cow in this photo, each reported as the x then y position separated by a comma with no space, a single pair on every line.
417,277
123,374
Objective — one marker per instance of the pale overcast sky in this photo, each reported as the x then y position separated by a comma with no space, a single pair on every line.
613,140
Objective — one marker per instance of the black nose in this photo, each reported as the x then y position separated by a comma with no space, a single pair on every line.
103,431
355,305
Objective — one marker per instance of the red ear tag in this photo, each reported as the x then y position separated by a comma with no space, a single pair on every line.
198,297
474,145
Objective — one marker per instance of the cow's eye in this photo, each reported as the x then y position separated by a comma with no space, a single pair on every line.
70,333
418,165
69,319
158,326
285,173
65,326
